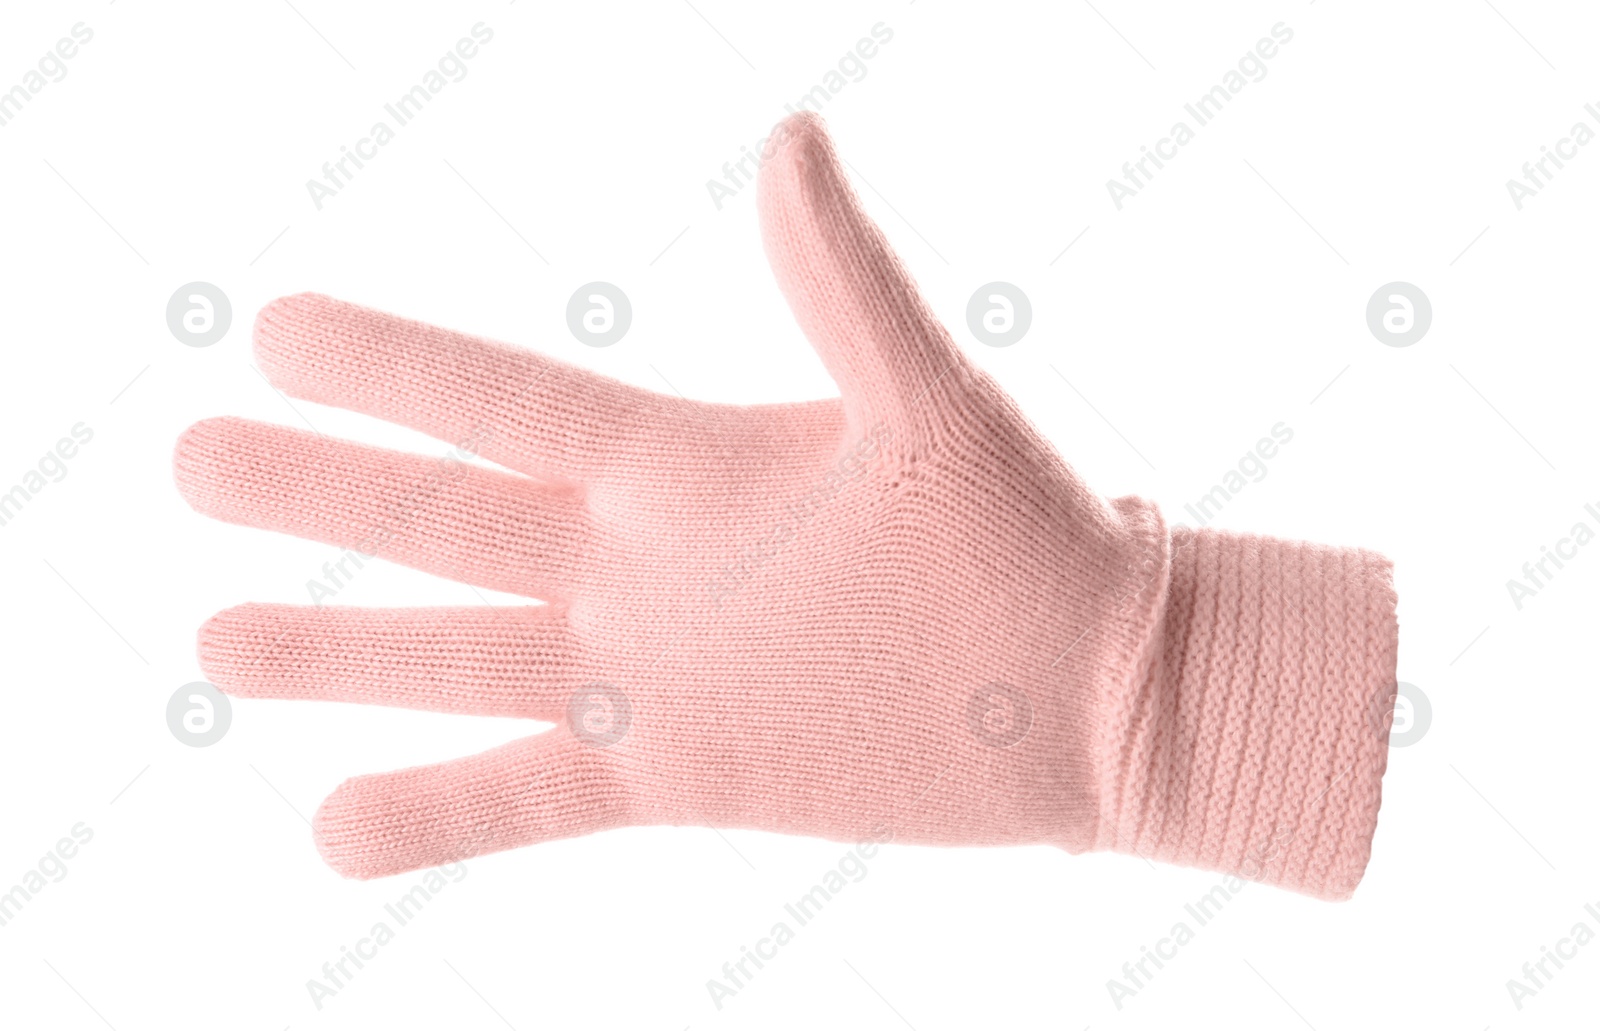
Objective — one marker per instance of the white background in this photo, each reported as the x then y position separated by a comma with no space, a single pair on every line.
1223,299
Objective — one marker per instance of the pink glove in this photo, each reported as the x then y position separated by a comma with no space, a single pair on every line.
893,614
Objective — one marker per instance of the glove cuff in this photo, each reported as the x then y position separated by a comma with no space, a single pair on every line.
1256,734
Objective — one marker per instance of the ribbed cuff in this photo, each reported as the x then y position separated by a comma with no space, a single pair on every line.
1257,735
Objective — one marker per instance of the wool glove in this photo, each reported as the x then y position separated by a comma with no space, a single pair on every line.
894,615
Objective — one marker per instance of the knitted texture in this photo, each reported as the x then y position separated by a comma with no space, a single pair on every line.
897,614
1256,743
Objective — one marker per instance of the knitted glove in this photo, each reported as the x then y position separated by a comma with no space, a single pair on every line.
895,614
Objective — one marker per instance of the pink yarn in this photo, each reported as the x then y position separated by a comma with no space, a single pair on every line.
894,614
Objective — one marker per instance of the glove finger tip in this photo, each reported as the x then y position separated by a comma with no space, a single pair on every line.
286,332
231,643
343,833
198,453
